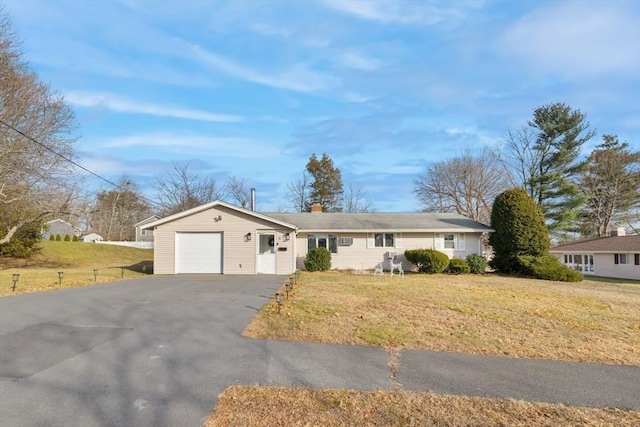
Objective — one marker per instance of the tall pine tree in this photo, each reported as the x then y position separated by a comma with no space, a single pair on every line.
326,188
560,133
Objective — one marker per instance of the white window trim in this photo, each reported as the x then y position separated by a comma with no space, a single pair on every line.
371,240
459,241
327,237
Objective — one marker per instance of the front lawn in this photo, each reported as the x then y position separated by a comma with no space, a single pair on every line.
493,315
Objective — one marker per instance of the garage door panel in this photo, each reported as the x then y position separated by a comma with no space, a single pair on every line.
198,252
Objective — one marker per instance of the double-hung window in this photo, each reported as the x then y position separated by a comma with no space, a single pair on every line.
449,241
383,240
620,259
329,241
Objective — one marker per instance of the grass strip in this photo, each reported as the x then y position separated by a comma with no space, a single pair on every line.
282,406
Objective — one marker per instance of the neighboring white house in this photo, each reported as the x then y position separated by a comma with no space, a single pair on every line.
222,238
91,238
615,256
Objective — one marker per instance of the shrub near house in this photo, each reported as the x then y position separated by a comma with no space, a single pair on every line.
427,260
318,259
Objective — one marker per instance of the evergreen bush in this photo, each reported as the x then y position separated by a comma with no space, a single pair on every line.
24,243
547,267
427,260
51,237
58,238
519,230
67,238
458,266
75,238
477,263
318,259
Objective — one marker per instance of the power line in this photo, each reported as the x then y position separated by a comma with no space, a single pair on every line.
62,156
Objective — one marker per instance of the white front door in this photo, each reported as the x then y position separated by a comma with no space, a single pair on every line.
266,254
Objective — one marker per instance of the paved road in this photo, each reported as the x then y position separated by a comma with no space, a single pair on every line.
158,351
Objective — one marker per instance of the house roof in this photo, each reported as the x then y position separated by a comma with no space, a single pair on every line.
146,220
379,221
601,244
213,204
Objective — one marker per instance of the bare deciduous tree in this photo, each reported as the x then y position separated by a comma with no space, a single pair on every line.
238,191
37,135
467,185
115,212
520,158
183,189
356,200
297,192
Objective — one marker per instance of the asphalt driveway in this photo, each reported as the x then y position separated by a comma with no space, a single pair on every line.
158,351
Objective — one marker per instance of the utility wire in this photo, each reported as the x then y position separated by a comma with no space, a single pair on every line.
62,156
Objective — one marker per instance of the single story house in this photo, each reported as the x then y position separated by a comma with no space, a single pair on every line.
218,237
143,234
615,256
61,227
91,238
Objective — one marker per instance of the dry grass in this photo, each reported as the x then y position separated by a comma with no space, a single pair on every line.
280,406
76,260
493,315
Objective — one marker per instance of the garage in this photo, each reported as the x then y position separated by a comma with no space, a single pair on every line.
198,252
221,238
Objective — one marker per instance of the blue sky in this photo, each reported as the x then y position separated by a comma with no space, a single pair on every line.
252,88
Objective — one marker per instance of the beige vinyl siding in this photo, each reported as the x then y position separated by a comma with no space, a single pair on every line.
364,254
238,255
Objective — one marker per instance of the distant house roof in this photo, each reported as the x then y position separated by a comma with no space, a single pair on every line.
379,221
601,244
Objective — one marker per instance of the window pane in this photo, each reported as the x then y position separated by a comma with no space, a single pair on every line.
311,239
333,243
623,258
322,241
449,241
379,240
388,240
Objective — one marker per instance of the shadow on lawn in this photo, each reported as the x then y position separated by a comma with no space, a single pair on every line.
143,267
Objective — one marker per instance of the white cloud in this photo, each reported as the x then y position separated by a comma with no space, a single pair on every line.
577,38
200,145
122,105
359,61
298,78
403,12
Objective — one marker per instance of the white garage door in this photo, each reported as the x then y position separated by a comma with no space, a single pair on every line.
198,252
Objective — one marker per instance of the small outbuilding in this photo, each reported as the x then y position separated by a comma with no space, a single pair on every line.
91,238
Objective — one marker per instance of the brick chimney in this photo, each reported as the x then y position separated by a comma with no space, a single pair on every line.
619,232
316,208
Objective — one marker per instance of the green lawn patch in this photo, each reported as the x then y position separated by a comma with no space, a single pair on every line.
77,261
